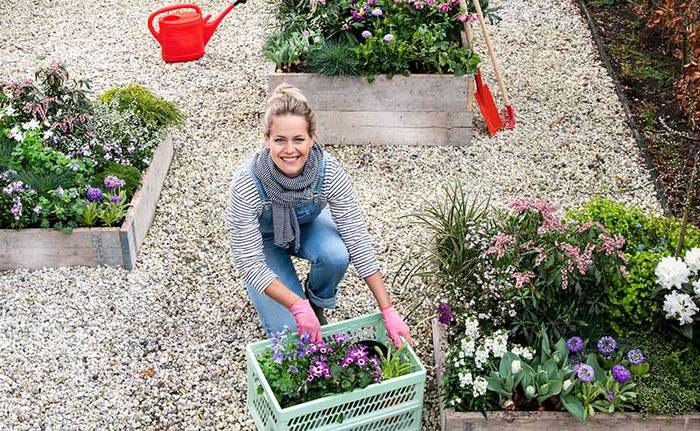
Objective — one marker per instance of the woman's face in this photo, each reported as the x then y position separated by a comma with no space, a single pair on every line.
289,143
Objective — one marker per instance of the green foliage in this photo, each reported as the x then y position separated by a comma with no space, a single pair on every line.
332,58
636,302
151,109
287,49
419,41
31,154
45,181
394,363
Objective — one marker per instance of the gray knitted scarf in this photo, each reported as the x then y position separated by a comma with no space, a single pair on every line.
285,193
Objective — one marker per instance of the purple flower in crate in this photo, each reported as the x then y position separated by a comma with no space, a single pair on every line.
340,338
372,2
377,12
611,396
607,345
388,37
445,315
94,193
574,344
366,34
292,369
319,368
585,373
112,183
277,357
418,5
37,209
635,357
116,199
59,191
621,374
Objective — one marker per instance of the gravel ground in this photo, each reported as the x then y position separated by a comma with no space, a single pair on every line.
161,347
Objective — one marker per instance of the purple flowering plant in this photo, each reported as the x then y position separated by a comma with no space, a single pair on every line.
299,370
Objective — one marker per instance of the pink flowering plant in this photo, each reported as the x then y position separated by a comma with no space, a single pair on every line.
299,370
371,37
558,270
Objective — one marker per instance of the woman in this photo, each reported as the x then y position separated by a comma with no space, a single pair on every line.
277,210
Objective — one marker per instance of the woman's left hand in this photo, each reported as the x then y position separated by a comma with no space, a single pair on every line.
395,326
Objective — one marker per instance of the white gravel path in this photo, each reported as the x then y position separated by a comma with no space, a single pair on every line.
161,347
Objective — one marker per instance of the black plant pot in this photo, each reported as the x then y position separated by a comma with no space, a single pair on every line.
372,346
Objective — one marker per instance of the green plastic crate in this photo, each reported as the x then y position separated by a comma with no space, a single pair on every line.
392,405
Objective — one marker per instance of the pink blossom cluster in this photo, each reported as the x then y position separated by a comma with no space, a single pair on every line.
611,245
589,224
550,220
522,278
499,244
541,255
582,261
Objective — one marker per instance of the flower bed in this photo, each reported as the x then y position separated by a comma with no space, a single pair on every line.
336,384
325,47
92,170
569,313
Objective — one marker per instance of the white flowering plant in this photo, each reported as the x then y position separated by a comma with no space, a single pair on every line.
681,277
471,358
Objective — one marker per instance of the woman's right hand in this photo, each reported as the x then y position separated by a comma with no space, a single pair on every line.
306,319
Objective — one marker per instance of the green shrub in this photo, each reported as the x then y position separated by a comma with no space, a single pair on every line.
636,301
151,109
332,58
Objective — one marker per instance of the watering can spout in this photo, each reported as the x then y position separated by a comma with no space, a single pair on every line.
210,27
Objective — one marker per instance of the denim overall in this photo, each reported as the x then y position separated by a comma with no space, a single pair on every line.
320,243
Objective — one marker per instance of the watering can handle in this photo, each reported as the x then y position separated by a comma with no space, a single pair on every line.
168,9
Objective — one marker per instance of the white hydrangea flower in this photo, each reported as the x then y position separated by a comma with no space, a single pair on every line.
480,385
465,379
9,110
672,272
16,133
692,259
524,352
696,288
31,124
471,328
680,306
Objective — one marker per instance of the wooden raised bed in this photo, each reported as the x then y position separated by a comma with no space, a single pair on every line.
538,421
111,246
403,110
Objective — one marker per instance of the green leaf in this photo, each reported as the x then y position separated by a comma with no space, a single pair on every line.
573,405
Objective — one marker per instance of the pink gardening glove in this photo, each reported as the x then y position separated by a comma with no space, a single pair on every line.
306,320
395,326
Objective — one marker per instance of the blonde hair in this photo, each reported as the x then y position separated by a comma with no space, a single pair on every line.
288,100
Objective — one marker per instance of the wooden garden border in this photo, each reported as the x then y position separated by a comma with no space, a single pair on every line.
111,246
538,421
420,109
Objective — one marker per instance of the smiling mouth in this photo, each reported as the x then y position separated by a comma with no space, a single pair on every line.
290,160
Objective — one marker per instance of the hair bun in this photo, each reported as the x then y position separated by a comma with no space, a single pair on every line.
288,90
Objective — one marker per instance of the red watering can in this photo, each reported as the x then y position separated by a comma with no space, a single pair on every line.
183,35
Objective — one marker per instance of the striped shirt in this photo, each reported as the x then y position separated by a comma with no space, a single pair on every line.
245,238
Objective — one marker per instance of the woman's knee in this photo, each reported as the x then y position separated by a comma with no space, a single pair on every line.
337,258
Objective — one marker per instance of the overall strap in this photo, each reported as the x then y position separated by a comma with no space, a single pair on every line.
321,175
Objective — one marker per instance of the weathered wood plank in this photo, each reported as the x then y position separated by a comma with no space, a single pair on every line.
420,93
38,248
537,421
346,134
143,209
